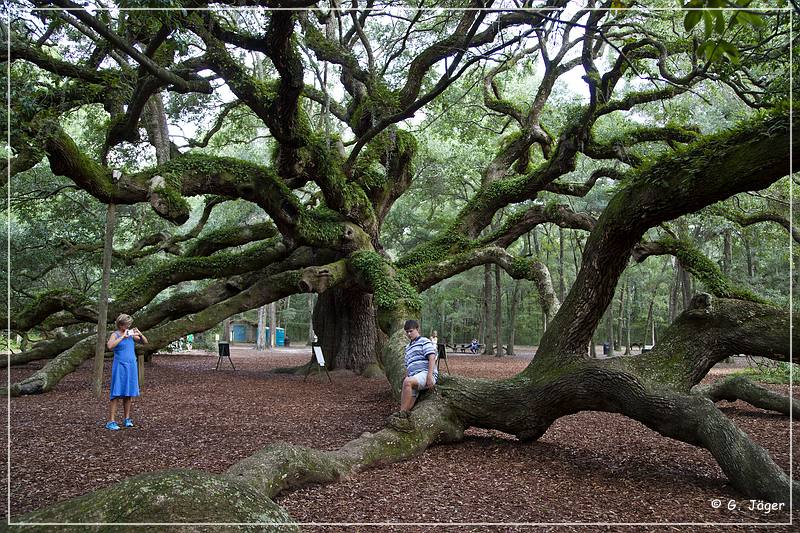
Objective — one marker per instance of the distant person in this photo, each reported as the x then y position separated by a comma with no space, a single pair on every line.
473,346
124,371
421,373
189,341
434,338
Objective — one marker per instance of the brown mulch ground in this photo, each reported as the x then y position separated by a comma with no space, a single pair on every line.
589,467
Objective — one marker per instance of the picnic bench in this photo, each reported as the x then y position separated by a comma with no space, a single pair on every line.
463,347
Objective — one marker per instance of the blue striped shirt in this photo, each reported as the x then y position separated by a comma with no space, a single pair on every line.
417,353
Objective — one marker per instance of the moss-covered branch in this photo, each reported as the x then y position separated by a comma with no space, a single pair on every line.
45,349
582,189
737,387
395,299
171,496
518,224
710,330
49,303
757,218
696,263
619,147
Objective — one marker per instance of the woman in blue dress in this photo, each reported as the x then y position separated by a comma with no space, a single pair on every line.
124,371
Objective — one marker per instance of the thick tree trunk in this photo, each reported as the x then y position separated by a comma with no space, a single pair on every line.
344,321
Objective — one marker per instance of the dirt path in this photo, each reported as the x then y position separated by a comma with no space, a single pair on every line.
589,467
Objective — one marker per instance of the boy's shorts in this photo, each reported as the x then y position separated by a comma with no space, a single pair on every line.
421,378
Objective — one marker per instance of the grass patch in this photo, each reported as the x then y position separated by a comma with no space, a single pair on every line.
776,372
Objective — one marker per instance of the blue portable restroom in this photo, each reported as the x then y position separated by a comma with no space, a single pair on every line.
280,335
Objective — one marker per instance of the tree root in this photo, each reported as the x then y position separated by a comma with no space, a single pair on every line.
735,388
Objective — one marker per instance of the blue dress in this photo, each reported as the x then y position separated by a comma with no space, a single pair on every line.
124,372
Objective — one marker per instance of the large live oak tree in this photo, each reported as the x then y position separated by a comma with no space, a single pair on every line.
343,156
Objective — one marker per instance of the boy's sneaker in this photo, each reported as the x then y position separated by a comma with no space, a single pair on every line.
113,426
401,421
128,423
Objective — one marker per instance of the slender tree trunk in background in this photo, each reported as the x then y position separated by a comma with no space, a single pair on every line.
498,312
453,329
621,317
154,119
628,313
226,330
310,318
686,287
751,270
102,304
537,252
592,349
653,331
649,323
561,285
673,294
442,323
727,252
261,329
287,303
512,316
273,326
486,326
610,329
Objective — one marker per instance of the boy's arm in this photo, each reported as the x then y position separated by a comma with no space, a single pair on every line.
431,362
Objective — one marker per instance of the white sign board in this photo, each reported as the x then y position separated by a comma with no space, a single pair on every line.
318,355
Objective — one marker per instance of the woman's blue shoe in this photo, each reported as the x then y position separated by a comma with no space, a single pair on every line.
128,423
113,426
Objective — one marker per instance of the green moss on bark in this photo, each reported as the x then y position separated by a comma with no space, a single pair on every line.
172,496
393,295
